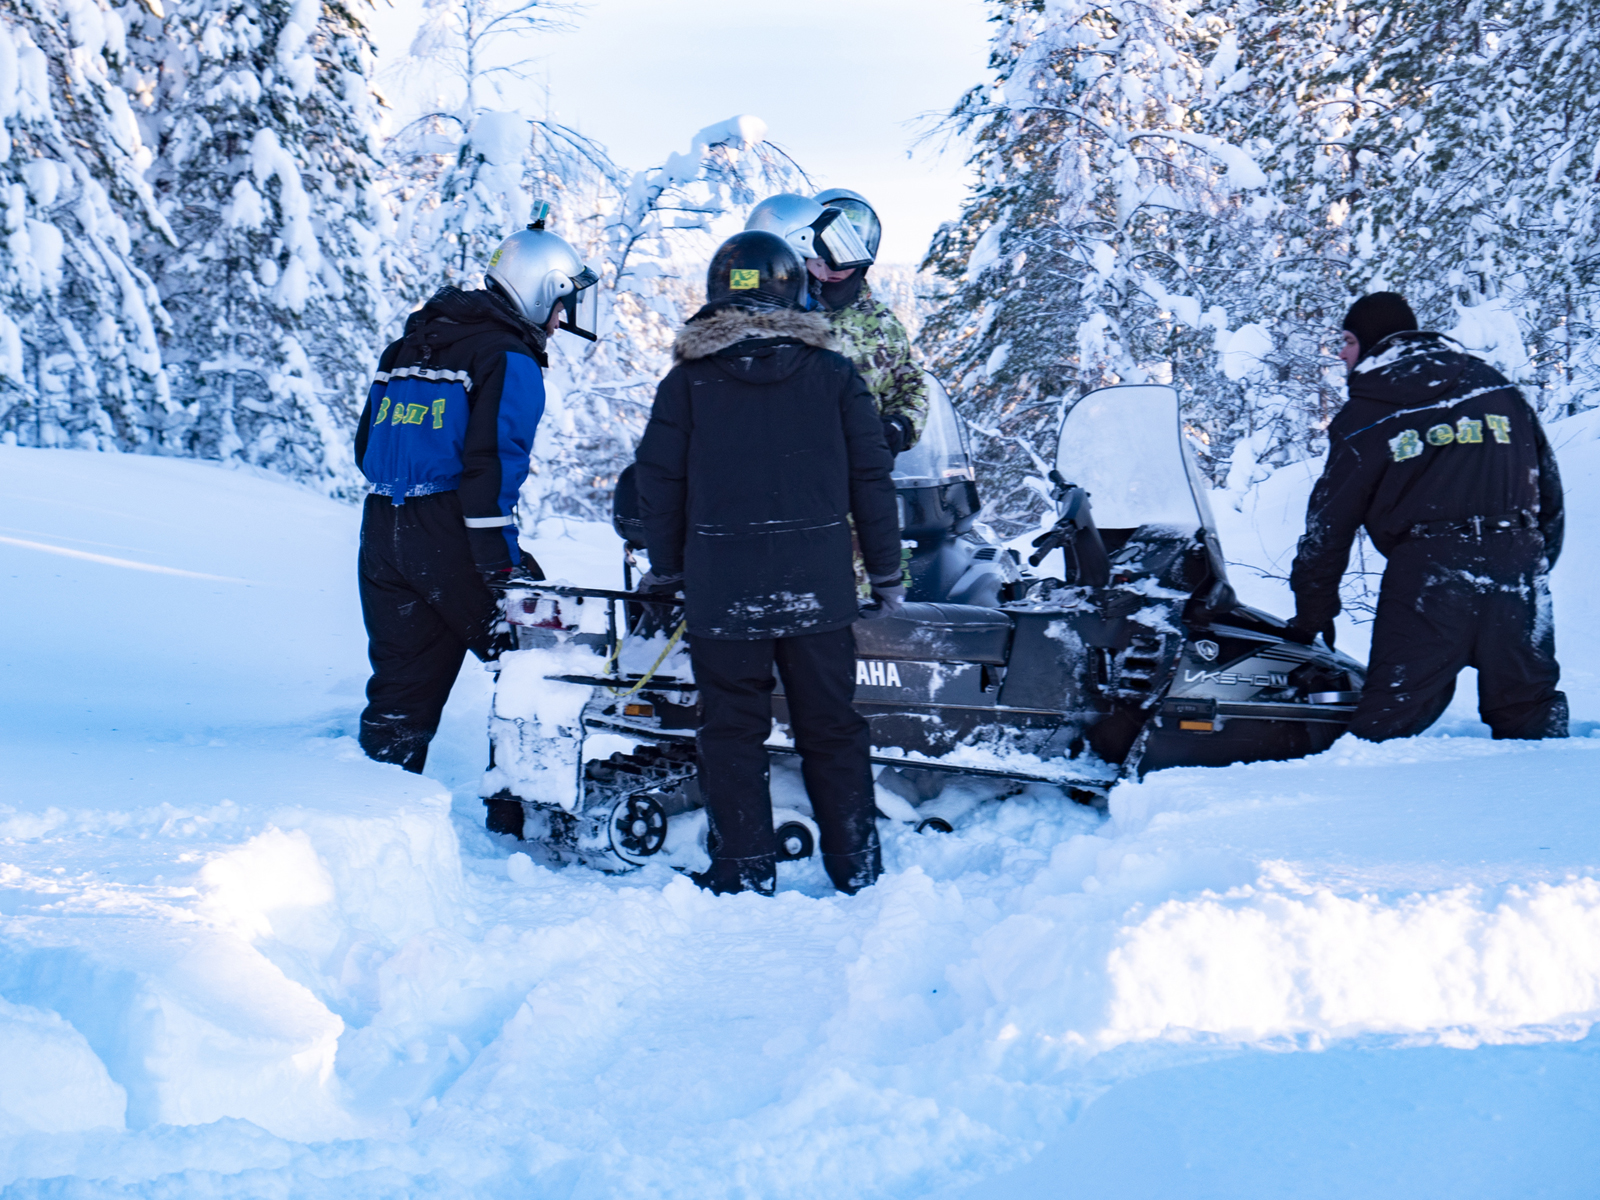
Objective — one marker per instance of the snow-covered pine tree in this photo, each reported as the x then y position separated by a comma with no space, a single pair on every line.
457,174
1081,257
649,241
1480,194
262,115
80,362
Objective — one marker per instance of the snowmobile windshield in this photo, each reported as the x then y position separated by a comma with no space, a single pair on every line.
1125,447
940,455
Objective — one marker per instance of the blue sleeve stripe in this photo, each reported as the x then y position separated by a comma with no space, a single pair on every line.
521,406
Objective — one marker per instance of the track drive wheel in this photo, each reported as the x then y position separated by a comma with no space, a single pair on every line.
638,827
794,842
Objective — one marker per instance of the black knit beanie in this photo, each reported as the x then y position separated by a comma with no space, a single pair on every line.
1375,316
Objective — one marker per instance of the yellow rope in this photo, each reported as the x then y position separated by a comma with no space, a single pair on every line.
611,659
655,666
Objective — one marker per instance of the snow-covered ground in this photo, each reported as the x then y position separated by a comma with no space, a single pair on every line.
236,958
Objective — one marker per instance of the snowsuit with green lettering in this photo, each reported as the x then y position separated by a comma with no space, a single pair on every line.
1447,468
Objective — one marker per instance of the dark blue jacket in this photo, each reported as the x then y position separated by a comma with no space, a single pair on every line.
453,407
763,448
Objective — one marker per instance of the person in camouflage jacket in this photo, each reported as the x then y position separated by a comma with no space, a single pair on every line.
872,337
874,340
868,333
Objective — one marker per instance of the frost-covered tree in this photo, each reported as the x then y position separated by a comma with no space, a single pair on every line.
261,115
1088,251
1479,147
649,240
458,174
80,362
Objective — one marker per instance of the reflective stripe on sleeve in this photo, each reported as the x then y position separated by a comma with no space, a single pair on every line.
487,522
431,374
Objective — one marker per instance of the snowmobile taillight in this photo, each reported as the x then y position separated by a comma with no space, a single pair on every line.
1194,713
638,710
539,612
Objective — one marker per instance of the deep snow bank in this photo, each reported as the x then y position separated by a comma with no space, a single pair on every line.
238,959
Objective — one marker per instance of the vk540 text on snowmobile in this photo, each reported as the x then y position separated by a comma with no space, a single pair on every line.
1136,657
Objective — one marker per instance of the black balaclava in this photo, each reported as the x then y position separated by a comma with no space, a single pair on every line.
842,294
1377,315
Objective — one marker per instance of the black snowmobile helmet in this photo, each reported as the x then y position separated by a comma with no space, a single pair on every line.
756,269
1376,316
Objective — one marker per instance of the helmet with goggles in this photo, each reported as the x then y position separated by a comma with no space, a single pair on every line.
813,231
859,213
537,270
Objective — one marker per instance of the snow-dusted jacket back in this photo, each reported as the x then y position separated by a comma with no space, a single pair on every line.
454,407
1429,435
762,446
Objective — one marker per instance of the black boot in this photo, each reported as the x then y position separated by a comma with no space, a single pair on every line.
504,816
728,875
392,742
852,872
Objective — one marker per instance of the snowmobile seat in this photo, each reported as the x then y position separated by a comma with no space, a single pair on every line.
937,632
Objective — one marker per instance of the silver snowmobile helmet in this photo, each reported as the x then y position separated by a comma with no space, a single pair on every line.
757,269
861,215
814,231
537,270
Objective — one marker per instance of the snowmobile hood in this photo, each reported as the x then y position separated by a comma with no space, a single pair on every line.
1416,368
766,338
450,315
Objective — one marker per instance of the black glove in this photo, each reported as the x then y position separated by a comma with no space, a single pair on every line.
528,570
888,596
897,432
1299,631
648,620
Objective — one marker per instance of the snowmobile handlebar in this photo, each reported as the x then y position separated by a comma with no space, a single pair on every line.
1073,503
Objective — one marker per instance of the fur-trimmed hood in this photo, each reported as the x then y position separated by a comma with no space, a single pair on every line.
716,329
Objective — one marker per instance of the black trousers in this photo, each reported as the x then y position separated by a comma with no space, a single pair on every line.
425,605
735,682
1453,602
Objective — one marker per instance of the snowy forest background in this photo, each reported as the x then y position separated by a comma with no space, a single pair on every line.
213,220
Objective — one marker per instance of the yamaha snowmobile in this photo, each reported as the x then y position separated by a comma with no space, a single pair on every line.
1135,657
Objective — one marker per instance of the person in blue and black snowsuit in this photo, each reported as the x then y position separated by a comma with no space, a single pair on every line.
445,441
1445,464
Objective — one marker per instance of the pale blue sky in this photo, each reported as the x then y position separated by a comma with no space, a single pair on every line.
839,83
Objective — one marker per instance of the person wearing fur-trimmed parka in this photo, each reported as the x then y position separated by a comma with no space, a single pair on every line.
763,447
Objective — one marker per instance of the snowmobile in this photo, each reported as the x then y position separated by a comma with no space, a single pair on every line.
1137,656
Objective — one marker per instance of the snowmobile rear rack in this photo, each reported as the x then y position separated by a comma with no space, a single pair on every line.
665,683
563,589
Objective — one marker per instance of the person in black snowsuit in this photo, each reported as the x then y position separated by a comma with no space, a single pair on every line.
1449,470
445,441
762,447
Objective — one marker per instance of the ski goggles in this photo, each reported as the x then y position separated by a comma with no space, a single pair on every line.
839,243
